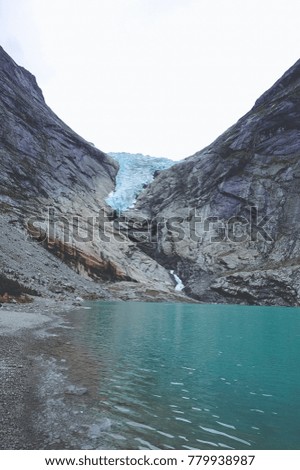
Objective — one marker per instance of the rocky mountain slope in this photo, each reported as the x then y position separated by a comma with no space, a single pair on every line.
228,218
53,186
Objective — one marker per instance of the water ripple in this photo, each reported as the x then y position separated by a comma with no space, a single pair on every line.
226,425
214,431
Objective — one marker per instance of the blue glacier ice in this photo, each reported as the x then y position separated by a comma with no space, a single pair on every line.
136,171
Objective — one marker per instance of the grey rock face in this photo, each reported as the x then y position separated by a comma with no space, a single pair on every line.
54,183
230,214
226,220
40,156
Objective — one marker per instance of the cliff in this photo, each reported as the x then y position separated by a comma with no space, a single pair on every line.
53,186
227,219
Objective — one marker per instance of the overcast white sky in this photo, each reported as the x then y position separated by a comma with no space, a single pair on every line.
160,77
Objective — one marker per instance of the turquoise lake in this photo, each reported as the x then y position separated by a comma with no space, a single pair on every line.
190,376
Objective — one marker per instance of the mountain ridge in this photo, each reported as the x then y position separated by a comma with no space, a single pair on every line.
255,163
225,220
53,186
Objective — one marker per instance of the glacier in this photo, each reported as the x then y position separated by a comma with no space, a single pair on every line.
135,172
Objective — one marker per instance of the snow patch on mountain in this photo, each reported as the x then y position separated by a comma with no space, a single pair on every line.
179,284
135,172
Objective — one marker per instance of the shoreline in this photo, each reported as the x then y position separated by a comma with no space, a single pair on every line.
34,375
18,392
46,399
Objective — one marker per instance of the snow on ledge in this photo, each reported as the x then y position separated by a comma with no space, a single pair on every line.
179,284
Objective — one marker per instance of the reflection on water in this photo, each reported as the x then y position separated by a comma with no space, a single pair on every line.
183,376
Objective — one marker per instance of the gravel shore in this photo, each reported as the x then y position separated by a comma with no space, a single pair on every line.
46,398
17,394
23,335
